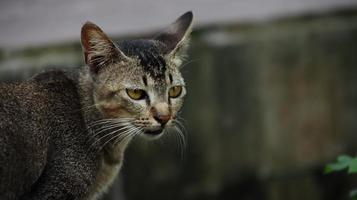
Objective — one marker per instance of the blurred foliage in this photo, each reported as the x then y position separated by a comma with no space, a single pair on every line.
344,162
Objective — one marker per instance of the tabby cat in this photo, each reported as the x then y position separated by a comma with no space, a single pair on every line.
63,135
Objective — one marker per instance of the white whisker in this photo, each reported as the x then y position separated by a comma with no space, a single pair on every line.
115,136
135,131
106,135
182,141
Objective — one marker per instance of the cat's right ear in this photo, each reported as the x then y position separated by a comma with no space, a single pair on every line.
175,37
99,51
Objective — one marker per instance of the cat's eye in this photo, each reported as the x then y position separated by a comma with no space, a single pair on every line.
136,94
175,91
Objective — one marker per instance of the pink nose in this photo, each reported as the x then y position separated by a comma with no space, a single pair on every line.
161,113
162,119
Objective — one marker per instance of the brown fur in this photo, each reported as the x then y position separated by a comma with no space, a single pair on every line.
63,135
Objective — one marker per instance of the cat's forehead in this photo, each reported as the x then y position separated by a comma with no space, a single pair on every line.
148,53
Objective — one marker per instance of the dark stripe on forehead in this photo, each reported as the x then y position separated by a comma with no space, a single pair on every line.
145,80
170,77
153,63
149,55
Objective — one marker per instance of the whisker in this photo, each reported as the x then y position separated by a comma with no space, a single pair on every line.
103,129
107,123
182,119
176,140
181,126
120,138
112,133
123,125
182,141
111,120
90,128
189,62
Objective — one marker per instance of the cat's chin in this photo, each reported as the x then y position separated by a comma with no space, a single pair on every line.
152,135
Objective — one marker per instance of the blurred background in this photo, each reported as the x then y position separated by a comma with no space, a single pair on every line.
272,91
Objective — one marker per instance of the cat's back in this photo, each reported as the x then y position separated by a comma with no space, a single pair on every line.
28,114
32,100
35,98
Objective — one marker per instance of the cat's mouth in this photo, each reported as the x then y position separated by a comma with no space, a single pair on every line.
154,132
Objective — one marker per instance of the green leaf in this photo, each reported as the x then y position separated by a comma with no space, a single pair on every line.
352,168
344,158
335,167
342,163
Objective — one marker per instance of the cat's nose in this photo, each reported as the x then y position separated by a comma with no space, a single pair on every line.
162,119
161,113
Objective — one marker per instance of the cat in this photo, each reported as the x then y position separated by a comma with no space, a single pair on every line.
63,135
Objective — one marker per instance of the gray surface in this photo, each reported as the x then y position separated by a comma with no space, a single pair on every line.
36,22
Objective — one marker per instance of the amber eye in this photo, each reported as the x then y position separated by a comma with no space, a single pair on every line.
136,94
175,91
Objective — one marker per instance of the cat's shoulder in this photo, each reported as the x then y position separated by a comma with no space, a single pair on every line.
52,76
56,80
59,86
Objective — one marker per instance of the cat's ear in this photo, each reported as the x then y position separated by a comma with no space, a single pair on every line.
175,38
99,51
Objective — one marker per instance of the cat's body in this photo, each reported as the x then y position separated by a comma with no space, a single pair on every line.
40,127
56,129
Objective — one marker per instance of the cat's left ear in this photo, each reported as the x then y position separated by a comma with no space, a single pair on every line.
99,51
176,37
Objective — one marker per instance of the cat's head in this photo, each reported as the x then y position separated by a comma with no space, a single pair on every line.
138,82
